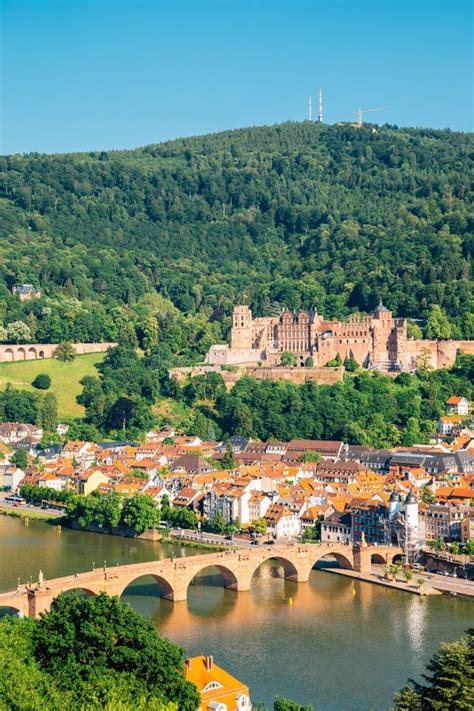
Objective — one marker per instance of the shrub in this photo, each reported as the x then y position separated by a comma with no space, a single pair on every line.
42,381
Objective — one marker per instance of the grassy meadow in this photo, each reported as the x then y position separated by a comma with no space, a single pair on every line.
65,379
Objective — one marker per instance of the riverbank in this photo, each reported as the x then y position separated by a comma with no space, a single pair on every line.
378,580
27,514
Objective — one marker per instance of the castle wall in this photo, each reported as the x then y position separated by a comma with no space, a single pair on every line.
442,354
12,352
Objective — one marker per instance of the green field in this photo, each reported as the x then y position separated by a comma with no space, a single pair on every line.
65,379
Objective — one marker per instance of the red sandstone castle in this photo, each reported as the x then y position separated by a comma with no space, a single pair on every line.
378,341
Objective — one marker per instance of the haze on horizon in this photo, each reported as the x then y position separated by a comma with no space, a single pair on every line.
104,74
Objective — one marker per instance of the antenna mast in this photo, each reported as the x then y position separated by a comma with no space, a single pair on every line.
320,113
310,114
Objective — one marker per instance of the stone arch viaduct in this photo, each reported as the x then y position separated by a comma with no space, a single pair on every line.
11,353
175,576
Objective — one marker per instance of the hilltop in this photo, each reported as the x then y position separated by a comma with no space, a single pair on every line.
295,215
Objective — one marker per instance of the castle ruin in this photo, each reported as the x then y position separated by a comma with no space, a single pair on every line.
378,342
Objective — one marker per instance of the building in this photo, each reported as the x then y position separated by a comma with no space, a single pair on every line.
368,521
25,292
378,341
337,528
90,480
467,527
444,520
219,690
282,522
457,406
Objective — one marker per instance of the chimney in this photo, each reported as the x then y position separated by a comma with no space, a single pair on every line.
208,662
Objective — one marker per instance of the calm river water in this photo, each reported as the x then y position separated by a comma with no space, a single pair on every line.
328,648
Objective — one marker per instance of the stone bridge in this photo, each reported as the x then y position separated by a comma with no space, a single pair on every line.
175,575
10,352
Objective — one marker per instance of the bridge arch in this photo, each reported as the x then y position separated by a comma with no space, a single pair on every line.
77,589
230,578
21,353
165,587
341,558
8,610
289,568
378,559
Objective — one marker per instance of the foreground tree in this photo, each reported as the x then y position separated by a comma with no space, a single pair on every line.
140,512
451,684
82,640
65,351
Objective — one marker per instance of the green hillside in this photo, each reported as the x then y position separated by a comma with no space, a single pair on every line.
65,379
296,215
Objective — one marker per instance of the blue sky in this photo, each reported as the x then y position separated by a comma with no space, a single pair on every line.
102,74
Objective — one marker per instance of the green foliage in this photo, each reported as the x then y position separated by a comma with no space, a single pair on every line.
48,412
351,365
309,362
228,461
312,533
450,684
293,215
140,512
82,640
35,494
65,351
437,324
20,459
288,705
311,456
288,359
259,525
42,381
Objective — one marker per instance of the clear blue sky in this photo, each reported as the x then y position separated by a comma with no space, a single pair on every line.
101,74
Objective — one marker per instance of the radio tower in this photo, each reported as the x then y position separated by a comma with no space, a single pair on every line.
320,113
310,115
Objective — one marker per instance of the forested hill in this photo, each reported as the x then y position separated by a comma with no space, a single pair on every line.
295,215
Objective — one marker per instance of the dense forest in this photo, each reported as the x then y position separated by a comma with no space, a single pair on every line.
295,215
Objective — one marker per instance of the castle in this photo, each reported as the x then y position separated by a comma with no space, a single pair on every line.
379,341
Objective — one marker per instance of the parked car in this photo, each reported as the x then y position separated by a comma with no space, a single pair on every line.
254,543
269,543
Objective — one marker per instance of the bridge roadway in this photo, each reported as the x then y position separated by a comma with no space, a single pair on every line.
175,575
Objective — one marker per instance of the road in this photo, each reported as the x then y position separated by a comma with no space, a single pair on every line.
26,508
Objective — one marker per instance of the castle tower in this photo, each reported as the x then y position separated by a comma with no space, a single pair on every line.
241,332
382,326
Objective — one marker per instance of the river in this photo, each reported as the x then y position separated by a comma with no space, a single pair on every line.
332,649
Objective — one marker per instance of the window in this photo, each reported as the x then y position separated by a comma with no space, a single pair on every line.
212,685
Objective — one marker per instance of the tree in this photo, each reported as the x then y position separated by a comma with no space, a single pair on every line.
438,326
351,365
408,574
288,359
259,525
228,460
65,352
42,381
309,362
48,412
428,496
82,640
288,705
413,330
451,683
335,362
218,524
150,333
310,455
20,459
140,512
19,332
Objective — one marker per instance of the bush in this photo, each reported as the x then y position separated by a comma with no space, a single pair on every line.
42,381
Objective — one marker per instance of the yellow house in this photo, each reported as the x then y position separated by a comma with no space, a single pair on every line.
88,481
219,690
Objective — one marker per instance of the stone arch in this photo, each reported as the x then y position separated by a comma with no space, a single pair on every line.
378,559
398,558
21,353
41,354
8,610
9,355
289,568
166,589
77,589
341,558
32,354
230,579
